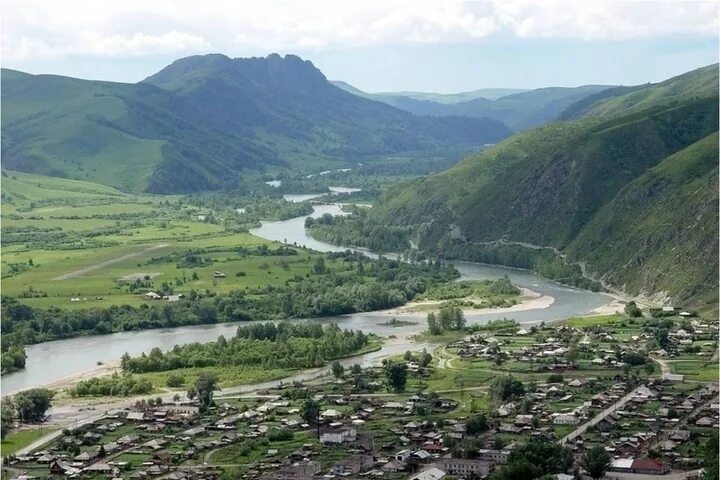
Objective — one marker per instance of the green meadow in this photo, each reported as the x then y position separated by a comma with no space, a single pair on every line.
68,239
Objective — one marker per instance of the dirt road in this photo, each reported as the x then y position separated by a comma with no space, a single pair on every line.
107,263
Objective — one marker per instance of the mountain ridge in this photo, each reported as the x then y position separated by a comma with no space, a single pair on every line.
560,185
206,122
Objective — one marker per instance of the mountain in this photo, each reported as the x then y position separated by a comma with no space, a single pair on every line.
206,122
518,109
629,189
444,98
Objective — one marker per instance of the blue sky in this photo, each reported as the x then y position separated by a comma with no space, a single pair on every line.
390,45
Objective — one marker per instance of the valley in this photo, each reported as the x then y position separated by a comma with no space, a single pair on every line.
235,261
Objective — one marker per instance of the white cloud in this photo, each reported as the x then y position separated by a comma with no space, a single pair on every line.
54,29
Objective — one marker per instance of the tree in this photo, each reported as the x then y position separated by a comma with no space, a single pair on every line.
425,358
337,369
520,470
175,380
505,387
712,469
310,412
204,389
319,266
595,461
433,326
356,369
396,374
633,310
458,319
7,414
31,405
476,424
548,456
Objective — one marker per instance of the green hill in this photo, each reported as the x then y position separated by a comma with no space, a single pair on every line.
570,185
205,122
518,109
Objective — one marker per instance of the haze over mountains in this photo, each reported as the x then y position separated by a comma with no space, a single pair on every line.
627,187
518,109
204,121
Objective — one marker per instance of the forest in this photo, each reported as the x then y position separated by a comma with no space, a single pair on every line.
286,345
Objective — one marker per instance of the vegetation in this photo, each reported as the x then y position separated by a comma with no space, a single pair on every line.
596,461
286,345
346,283
447,319
28,406
586,191
517,109
535,459
165,139
114,385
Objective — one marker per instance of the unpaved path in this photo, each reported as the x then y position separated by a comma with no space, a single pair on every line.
107,263
607,411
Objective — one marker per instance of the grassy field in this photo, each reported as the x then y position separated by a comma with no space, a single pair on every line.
22,438
68,239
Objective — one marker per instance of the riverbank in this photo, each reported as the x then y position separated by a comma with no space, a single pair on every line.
528,300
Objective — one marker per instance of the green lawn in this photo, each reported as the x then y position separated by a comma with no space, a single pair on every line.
22,438
579,322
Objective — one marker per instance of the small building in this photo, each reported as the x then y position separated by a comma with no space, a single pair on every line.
465,467
565,419
338,436
432,473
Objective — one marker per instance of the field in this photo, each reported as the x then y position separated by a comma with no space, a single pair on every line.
22,438
67,239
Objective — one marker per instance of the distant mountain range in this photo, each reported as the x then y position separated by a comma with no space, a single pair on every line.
204,122
626,186
518,109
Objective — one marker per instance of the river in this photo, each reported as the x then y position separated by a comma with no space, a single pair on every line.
53,361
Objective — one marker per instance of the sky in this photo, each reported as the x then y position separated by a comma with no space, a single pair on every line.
376,45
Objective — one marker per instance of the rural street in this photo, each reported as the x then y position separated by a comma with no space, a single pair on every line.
615,406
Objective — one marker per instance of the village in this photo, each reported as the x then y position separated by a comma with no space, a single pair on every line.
466,410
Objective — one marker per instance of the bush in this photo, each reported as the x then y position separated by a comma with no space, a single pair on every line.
175,381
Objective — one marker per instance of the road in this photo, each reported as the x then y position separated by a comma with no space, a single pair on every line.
615,406
52,436
107,263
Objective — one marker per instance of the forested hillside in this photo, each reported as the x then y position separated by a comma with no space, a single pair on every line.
628,188
205,122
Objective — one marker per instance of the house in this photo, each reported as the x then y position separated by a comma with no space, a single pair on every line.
402,455
705,422
136,416
565,419
352,465
331,413
99,467
338,436
295,471
464,467
59,467
495,456
621,465
432,473
393,466
85,457
649,466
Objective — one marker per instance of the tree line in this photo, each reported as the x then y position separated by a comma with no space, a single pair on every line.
358,285
286,345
